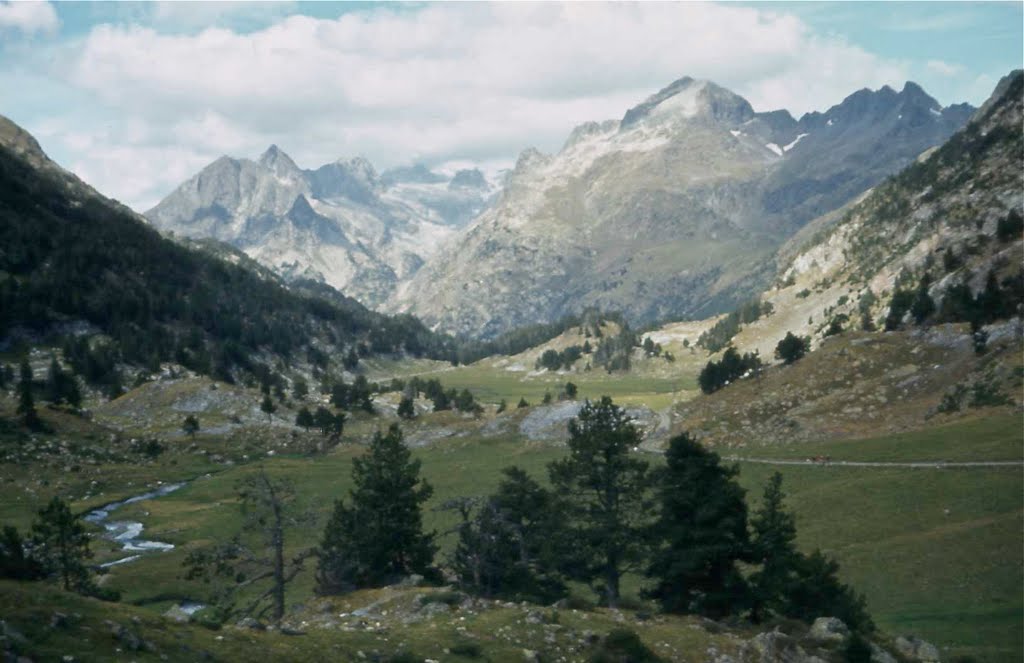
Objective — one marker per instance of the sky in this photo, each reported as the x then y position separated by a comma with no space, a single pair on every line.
135,98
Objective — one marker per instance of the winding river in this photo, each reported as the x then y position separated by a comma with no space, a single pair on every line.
128,533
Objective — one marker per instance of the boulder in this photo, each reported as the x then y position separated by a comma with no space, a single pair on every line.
879,655
829,629
775,647
916,649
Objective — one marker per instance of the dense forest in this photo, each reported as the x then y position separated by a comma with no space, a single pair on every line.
69,259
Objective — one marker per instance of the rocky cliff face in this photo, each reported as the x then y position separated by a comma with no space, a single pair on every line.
342,223
676,210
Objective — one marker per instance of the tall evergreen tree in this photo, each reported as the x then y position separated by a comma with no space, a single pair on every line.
923,306
774,549
15,563
26,401
304,418
700,533
268,406
604,490
379,535
406,409
510,547
817,591
60,542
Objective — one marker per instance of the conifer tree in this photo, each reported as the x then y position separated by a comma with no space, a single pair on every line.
304,418
378,536
26,402
604,490
700,533
190,426
406,408
60,542
774,548
923,306
268,406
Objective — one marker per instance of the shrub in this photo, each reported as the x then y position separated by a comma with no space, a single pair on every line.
791,348
622,645
466,650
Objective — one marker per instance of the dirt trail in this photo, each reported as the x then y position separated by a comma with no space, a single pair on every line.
930,464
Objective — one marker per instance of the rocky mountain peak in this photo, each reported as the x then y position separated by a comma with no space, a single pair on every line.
687,98
20,141
280,164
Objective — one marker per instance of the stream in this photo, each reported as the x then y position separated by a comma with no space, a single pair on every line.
128,534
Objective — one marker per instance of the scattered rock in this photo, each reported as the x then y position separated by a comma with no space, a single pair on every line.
413,580
251,623
879,655
829,629
917,649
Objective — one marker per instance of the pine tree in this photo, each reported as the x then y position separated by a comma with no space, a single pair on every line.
378,536
304,418
509,548
604,490
522,403
268,406
406,408
60,542
190,426
700,533
299,389
15,563
774,549
26,402
791,348
816,590
328,423
923,306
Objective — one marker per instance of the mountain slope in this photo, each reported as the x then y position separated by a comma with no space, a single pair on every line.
941,216
342,223
675,210
75,263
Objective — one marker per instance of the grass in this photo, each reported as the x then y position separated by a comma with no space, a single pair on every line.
936,552
997,437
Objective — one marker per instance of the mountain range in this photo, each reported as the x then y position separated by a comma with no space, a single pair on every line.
673,211
342,223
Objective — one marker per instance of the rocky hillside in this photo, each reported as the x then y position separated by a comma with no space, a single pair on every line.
954,215
676,210
342,223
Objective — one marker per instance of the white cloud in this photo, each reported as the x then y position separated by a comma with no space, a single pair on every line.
441,82
944,68
28,16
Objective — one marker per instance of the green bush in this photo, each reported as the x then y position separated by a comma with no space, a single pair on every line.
466,650
622,645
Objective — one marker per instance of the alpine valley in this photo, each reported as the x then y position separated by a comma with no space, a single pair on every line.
707,385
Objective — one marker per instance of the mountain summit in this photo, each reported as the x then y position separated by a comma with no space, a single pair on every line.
674,211
341,223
